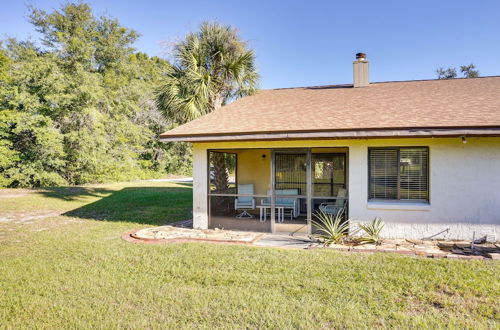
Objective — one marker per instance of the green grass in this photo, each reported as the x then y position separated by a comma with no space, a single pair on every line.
74,271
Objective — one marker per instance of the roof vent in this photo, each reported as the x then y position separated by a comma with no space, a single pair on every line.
360,70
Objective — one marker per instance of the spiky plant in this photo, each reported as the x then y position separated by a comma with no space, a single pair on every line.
332,228
372,232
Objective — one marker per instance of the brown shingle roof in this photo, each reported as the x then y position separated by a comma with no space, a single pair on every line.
453,103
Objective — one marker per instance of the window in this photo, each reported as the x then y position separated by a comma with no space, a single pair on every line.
398,173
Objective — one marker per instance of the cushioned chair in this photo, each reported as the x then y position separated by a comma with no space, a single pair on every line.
286,202
244,203
334,207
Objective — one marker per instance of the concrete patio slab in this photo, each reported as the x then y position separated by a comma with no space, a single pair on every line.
285,241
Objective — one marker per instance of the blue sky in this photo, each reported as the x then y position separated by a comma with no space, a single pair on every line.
303,43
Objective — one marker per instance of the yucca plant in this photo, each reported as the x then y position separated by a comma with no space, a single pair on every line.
372,232
333,228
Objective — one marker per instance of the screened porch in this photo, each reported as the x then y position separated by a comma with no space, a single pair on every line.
275,190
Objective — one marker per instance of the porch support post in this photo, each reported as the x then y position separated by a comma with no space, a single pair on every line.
309,191
200,187
273,194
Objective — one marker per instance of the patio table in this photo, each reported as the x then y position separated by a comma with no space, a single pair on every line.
263,212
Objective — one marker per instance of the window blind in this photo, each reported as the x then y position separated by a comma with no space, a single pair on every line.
413,173
398,173
383,173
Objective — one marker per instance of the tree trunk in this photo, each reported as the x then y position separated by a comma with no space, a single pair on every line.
221,177
221,205
216,102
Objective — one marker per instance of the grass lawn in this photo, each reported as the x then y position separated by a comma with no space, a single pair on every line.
63,265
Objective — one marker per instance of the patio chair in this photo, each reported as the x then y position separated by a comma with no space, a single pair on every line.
334,207
289,202
244,203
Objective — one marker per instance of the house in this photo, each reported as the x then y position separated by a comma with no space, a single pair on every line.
422,155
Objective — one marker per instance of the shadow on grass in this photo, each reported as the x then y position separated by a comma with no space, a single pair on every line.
73,193
145,205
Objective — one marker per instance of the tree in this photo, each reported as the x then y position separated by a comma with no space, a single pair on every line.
446,73
81,107
211,67
468,71
4,66
34,155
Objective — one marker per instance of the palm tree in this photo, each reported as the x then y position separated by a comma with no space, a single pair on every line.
211,67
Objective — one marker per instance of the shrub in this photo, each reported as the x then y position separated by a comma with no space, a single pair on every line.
372,230
333,228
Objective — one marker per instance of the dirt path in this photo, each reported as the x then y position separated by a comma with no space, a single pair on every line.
27,217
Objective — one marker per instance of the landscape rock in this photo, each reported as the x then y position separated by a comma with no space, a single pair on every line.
494,256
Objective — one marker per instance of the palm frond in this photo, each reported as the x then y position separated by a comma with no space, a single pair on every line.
212,67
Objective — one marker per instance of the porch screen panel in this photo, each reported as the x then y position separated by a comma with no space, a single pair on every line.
328,173
413,173
291,175
383,172
291,172
222,172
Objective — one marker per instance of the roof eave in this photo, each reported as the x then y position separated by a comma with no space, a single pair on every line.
344,134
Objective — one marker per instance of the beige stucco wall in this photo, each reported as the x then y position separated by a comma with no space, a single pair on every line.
464,186
255,169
